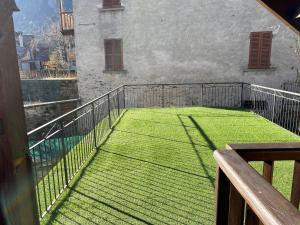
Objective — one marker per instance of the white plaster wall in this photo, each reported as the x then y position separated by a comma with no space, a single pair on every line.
178,41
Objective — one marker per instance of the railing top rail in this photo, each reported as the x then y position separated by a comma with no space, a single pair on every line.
75,110
51,103
275,90
264,146
154,84
266,202
265,152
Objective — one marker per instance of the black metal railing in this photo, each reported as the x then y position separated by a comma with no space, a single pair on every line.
60,147
184,95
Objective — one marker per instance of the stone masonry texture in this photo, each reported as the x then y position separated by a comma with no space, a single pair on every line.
166,41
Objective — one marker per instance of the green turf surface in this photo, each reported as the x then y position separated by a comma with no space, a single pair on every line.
157,167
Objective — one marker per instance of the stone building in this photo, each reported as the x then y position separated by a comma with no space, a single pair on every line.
139,41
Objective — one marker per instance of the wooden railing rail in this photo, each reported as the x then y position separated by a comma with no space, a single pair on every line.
262,152
244,153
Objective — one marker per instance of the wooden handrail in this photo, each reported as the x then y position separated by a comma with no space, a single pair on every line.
266,202
267,152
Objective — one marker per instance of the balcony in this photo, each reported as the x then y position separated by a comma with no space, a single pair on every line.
67,23
144,154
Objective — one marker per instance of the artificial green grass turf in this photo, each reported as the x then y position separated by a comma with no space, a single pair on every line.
157,167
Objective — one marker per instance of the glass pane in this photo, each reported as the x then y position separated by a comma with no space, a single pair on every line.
68,6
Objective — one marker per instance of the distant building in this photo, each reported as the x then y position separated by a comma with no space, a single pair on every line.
31,55
67,30
136,41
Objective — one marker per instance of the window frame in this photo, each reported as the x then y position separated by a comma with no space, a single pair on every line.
260,50
117,67
108,4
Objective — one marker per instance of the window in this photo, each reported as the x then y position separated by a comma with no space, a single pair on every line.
66,6
260,50
113,54
32,66
111,3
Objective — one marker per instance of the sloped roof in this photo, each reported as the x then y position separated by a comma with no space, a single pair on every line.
286,10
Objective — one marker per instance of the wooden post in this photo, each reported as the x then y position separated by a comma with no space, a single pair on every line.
222,198
295,194
17,192
236,207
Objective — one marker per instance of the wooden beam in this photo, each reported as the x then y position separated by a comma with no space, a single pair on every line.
264,146
222,191
278,15
267,152
295,194
268,171
16,182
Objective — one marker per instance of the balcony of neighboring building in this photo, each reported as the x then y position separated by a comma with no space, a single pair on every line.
66,17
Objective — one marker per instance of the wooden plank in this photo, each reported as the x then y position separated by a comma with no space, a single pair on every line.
295,194
268,171
266,202
236,207
222,191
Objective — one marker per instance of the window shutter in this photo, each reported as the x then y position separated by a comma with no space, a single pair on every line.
254,50
113,54
111,3
108,44
266,48
260,50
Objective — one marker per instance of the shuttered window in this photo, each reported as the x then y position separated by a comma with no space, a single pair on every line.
113,54
111,3
260,50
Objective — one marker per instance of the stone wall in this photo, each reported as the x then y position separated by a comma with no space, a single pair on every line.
41,113
178,41
49,90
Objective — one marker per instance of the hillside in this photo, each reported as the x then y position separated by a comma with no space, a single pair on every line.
34,14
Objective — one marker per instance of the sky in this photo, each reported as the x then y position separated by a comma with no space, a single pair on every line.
35,14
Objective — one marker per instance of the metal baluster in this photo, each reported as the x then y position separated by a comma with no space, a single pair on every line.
94,125
64,152
108,107
163,95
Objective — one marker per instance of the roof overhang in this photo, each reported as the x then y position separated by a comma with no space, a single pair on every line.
287,11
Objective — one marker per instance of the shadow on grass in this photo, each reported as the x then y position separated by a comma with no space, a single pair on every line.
156,164
70,191
108,205
201,161
113,186
210,143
